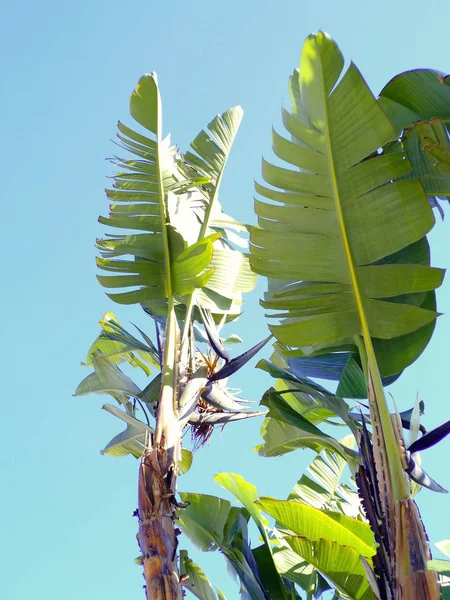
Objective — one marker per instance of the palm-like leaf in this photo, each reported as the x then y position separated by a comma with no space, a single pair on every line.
296,406
107,378
172,204
144,197
348,218
232,274
346,215
341,565
329,541
130,441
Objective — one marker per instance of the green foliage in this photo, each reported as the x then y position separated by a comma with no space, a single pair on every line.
179,250
341,238
418,104
350,212
171,201
196,580
296,407
313,523
306,544
212,523
116,343
322,488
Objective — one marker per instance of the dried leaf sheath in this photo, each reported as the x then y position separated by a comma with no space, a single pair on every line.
369,492
157,533
410,540
403,551
413,578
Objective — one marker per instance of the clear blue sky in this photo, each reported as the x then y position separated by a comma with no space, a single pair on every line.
68,69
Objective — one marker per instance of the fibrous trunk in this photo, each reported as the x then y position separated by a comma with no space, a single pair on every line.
157,535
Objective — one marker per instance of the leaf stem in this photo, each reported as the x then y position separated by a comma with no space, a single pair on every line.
400,488
201,235
166,406
366,348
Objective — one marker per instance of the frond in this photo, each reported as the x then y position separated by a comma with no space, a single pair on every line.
341,233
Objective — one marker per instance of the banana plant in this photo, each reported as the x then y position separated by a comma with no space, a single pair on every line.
341,238
180,257
356,302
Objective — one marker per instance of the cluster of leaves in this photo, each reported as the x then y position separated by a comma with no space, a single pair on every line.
186,253
357,204
342,156
313,543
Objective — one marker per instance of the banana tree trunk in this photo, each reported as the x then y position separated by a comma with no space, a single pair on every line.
157,534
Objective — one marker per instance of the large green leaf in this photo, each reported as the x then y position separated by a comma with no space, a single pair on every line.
294,568
204,520
286,428
270,574
329,223
280,437
168,205
314,524
130,441
211,523
418,104
322,487
304,396
108,378
247,493
428,147
144,200
341,565
419,94
393,355
232,275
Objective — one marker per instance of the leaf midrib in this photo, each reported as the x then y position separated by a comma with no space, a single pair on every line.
393,458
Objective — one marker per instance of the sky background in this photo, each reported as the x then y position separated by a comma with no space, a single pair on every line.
66,526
